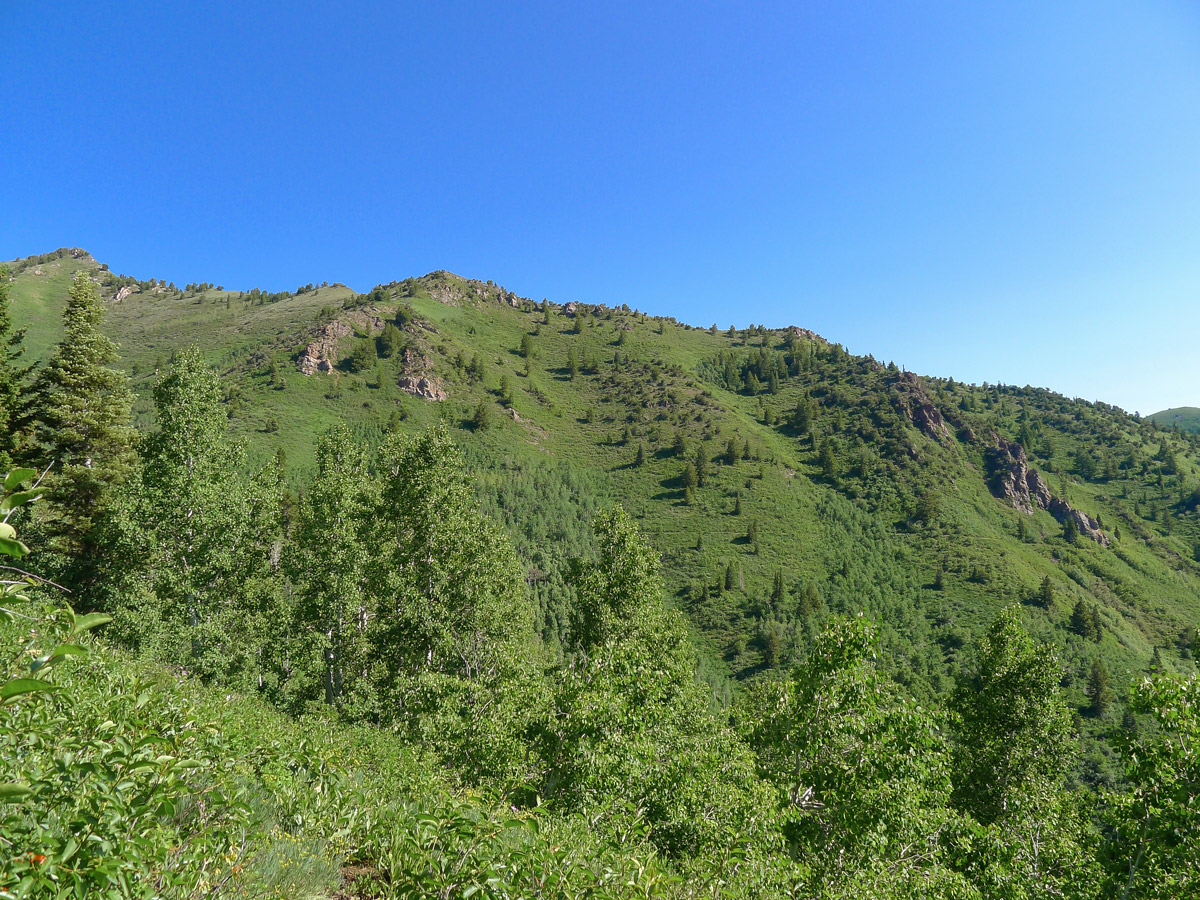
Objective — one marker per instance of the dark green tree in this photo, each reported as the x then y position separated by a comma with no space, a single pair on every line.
82,410
14,379
1098,692
390,341
362,357
482,420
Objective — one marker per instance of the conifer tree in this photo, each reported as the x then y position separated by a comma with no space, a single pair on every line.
13,379
82,409
1098,692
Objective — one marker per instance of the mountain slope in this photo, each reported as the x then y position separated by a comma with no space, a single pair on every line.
850,486
1185,417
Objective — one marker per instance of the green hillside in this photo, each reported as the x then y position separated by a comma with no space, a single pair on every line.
438,591
850,484
1186,418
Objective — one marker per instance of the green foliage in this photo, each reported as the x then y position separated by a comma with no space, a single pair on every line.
629,719
390,341
1014,750
191,579
82,412
862,771
1158,818
13,377
362,358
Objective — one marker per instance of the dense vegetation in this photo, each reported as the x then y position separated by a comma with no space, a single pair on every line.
815,650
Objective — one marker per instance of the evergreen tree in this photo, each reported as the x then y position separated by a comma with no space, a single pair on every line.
82,411
701,466
827,460
1098,692
363,356
482,419
777,588
1045,594
13,379
390,341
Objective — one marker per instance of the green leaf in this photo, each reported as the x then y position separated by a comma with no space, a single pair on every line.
56,654
10,793
17,477
90,621
21,686
23,497
10,547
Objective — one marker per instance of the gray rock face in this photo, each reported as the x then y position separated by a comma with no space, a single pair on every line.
321,355
1012,479
424,386
914,401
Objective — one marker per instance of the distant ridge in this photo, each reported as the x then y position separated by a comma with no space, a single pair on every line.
1186,417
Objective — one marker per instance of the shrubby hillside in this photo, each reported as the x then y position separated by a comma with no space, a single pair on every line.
640,608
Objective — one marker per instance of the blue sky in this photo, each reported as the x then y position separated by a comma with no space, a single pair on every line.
994,191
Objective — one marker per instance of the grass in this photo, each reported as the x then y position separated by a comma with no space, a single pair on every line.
853,537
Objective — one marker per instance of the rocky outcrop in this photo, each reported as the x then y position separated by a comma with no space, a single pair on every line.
1013,480
916,404
322,354
571,308
797,332
1084,524
123,293
425,386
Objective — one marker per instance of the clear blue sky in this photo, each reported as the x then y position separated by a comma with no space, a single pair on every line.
994,191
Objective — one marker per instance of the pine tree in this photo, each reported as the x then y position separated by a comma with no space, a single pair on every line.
13,379
482,420
1045,595
1098,692
777,588
82,411
701,466
363,356
390,341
